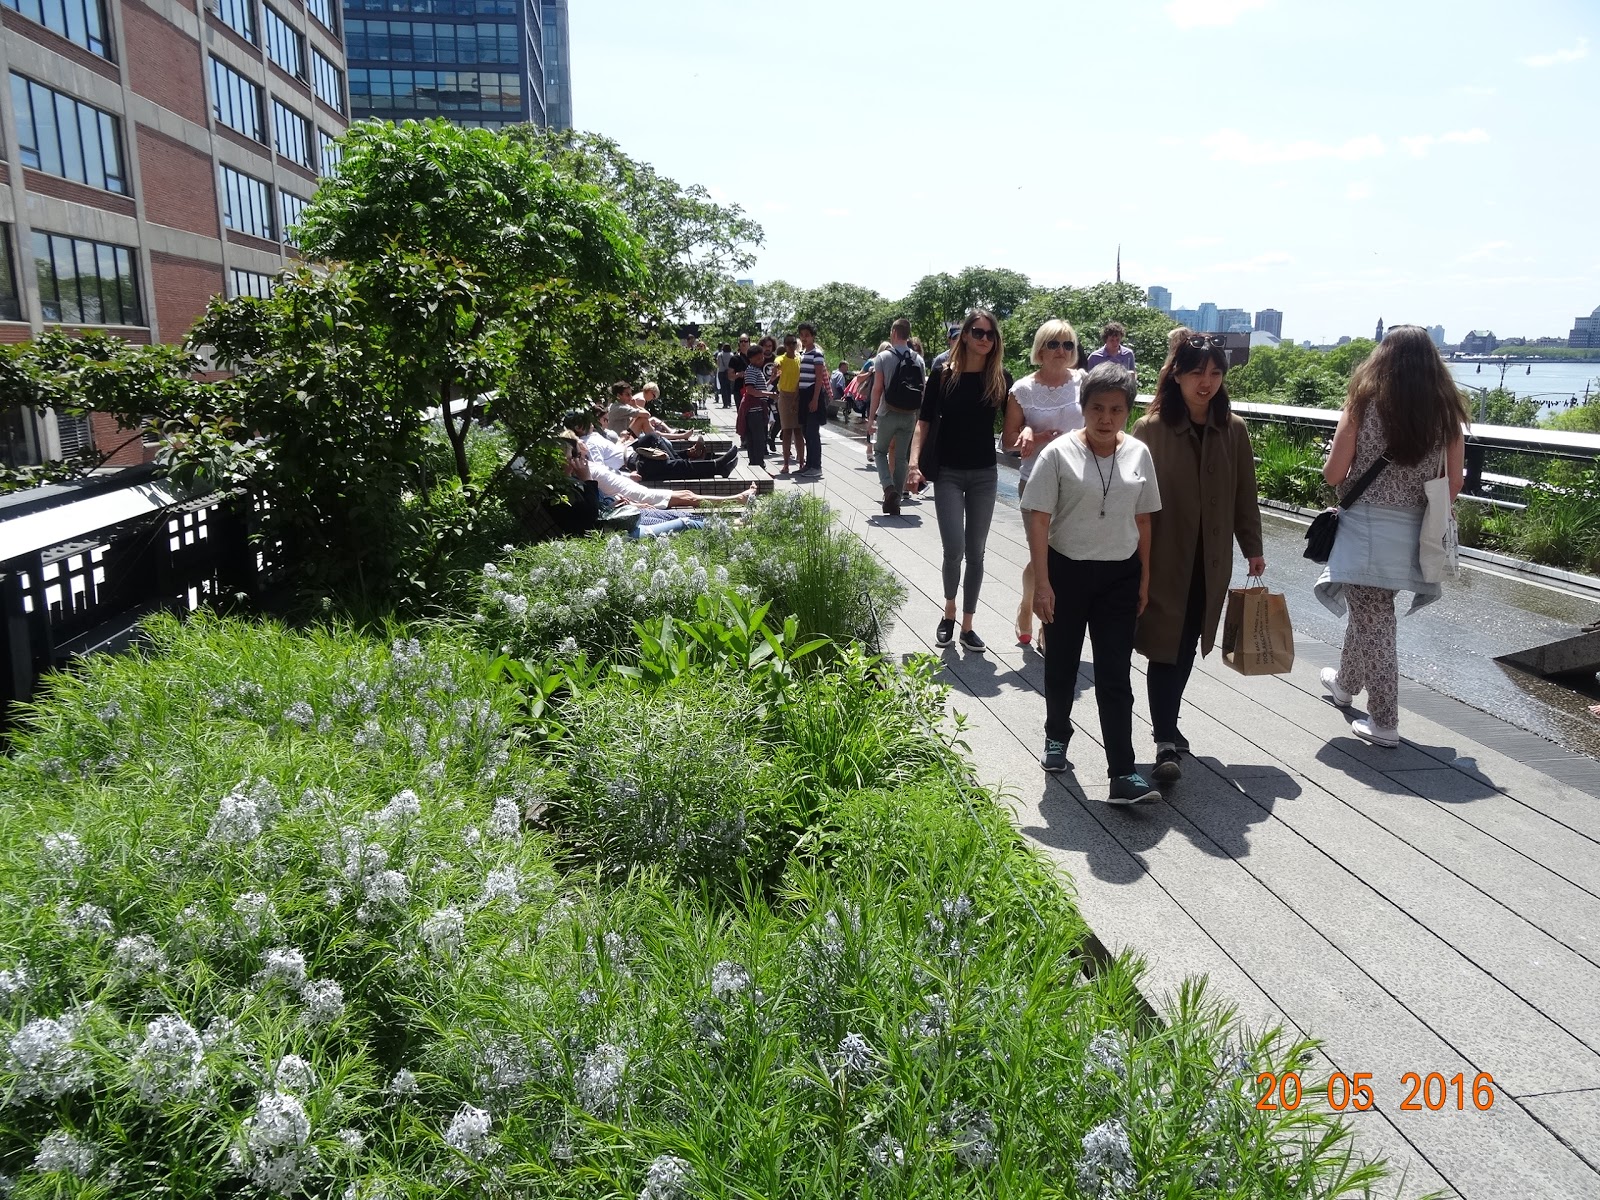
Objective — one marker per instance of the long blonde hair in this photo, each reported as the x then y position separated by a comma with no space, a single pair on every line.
994,368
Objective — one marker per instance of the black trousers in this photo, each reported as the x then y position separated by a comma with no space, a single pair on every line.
690,468
811,425
1102,598
1165,682
755,437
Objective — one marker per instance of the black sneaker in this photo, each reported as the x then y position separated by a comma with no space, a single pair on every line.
1054,757
945,632
1131,789
1168,769
891,507
971,641
1180,743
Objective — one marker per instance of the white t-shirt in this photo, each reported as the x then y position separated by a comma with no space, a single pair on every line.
1071,483
603,450
1047,408
621,487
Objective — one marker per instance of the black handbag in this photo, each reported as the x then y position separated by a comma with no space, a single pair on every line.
1325,525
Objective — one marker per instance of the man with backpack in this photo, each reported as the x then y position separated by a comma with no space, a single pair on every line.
898,374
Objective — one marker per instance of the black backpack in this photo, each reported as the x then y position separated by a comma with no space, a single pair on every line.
905,385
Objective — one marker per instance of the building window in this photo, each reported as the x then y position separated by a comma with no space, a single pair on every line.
80,21
285,46
239,16
322,10
249,283
384,89
62,136
235,100
86,283
10,300
425,42
292,207
328,82
292,133
329,152
246,204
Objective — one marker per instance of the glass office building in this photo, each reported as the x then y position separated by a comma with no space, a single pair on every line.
486,63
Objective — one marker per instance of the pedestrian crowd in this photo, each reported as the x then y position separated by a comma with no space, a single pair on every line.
1131,531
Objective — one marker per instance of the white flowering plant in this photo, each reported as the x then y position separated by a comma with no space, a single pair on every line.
380,948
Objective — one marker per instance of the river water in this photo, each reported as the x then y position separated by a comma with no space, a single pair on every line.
1554,383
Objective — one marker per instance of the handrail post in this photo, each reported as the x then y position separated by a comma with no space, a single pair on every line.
1476,453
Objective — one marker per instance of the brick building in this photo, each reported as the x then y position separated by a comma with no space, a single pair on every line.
153,153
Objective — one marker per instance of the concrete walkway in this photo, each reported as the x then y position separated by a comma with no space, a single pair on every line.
1434,908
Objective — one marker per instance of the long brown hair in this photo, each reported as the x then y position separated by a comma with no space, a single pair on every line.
1416,401
994,367
1181,359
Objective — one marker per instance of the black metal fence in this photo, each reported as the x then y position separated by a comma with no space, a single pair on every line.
89,591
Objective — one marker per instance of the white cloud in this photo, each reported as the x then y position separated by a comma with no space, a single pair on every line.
1066,224
1358,191
1557,57
1196,243
1233,145
1189,14
1471,90
836,212
1419,146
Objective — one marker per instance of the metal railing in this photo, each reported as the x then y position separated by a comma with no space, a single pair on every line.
1481,440
85,563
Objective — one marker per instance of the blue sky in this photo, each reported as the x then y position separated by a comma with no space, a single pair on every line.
1340,160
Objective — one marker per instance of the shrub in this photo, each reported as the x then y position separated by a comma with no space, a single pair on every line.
586,594
675,778
793,554
1289,465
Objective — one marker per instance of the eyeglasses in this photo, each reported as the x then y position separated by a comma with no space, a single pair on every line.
1200,341
1056,344
982,335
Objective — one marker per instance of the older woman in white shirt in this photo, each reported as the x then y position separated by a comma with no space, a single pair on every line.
1041,407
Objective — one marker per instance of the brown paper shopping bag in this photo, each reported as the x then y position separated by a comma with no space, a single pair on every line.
1257,638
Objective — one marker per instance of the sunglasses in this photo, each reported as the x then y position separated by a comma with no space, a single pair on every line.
1201,340
982,335
1056,344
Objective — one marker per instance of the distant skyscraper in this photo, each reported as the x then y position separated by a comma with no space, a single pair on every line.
557,64
479,63
1436,332
1189,317
1378,337
1233,320
1208,316
1159,299
1270,320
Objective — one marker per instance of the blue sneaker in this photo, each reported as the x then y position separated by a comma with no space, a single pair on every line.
1131,789
1054,758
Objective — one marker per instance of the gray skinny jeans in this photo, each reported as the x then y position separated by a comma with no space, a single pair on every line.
964,503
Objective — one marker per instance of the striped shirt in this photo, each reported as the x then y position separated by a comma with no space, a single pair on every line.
813,366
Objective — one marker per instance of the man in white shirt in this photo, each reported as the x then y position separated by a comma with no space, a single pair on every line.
600,448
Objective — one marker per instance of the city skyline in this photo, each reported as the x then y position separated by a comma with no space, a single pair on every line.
1358,179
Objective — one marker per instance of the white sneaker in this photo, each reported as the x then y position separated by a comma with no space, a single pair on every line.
1377,735
1330,680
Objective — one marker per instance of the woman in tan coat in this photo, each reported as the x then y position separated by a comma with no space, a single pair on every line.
1207,475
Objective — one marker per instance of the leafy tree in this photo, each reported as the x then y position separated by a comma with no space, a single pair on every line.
466,276
692,246
1342,360
849,319
1088,309
148,389
936,302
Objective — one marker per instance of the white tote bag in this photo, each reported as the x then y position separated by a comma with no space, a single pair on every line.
1439,548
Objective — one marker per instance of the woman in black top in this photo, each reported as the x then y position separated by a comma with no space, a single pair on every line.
966,397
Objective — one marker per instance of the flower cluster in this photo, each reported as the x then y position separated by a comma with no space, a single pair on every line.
169,1063
275,1153
47,1060
668,1178
468,1133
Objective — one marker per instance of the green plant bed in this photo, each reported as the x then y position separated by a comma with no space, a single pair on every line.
585,594
303,913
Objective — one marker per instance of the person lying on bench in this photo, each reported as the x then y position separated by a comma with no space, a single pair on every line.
659,458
